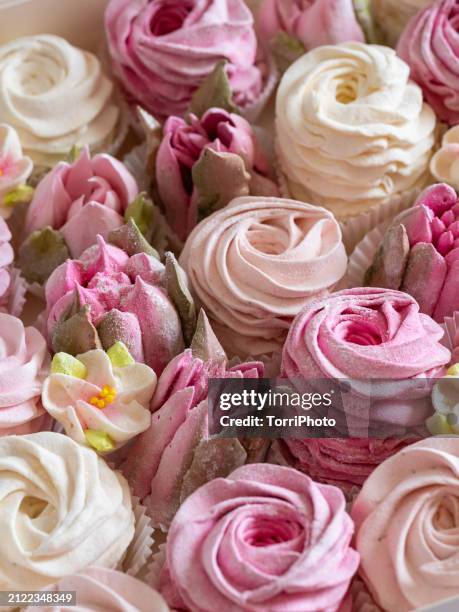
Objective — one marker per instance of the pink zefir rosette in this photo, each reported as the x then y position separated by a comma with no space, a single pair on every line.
264,538
377,341
162,51
311,22
345,463
24,363
99,588
82,199
406,518
254,265
430,46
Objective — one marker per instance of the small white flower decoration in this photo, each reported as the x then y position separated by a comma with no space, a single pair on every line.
15,169
101,398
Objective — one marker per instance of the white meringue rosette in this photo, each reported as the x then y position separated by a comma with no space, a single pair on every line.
445,400
100,398
352,131
15,169
56,96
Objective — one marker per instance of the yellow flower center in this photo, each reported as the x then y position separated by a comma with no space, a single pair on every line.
104,398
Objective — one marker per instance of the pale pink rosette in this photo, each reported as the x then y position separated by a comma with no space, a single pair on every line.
99,588
181,147
312,22
378,341
82,199
264,538
254,265
430,46
406,518
24,362
162,51
174,456
125,295
15,167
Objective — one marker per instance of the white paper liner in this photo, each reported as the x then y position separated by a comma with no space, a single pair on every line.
362,256
139,552
156,565
451,327
355,228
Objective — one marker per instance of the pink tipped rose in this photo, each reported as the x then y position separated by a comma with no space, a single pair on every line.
15,168
24,363
82,199
162,50
312,22
426,238
126,299
182,145
264,538
12,286
174,456
429,45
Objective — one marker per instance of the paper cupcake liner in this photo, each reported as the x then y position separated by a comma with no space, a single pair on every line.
362,256
139,552
451,336
355,228
156,565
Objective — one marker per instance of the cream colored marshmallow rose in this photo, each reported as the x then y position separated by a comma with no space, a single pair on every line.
101,398
255,263
55,96
62,509
407,519
351,129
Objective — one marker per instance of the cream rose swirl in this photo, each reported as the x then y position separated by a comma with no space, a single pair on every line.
351,129
62,509
24,361
265,538
99,588
255,263
407,518
366,334
55,96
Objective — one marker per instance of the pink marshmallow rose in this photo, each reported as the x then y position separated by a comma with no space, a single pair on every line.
182,145
173,457
264,538
126,298
426,240
430,46
162,50
379,341
12,285
24,362
312,22
82,199
343,462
